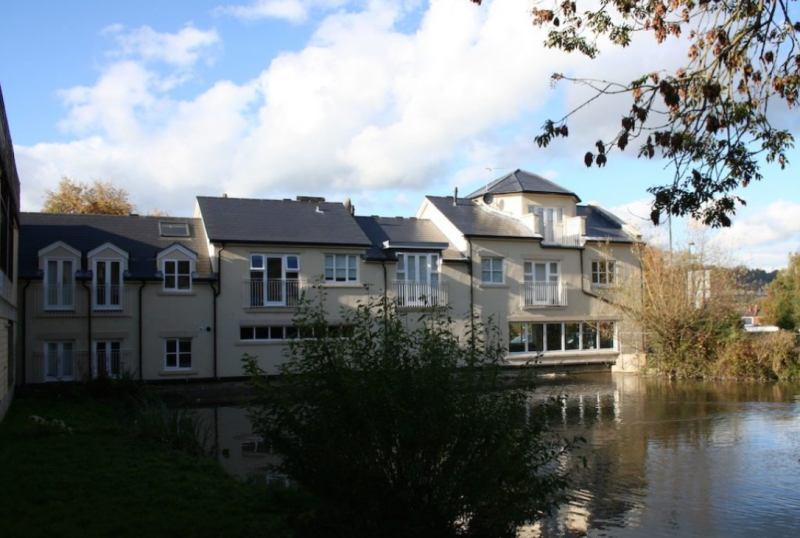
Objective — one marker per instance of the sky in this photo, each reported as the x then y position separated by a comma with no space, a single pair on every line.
378,101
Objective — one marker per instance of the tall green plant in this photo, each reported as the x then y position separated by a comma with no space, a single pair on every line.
399,428
782,304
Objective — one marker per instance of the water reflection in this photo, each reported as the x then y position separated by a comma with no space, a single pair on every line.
663,458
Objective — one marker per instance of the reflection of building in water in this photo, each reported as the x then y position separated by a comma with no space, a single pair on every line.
241,452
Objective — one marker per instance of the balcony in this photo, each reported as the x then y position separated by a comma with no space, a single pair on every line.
111,300
273,293
419,295
558,234
539,294
62,300
74,365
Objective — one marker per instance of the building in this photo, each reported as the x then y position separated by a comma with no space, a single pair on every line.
170,298
9,226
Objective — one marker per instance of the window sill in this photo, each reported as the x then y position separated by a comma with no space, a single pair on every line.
177,372
265,309
604,286
542,306
569,354
342,285
489,285
250,343
168,293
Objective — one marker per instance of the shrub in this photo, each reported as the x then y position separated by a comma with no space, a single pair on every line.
759,356
401,429
180,429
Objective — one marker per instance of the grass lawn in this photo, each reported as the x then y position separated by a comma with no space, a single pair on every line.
100,481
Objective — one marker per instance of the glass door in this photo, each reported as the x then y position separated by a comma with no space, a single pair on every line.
108,358
108,284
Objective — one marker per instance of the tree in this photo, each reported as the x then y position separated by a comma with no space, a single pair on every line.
782,304
75,197
400,431
710,118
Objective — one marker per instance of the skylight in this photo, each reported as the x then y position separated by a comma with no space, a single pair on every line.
174,229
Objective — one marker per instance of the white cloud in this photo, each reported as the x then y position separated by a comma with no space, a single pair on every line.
181,49
363,108
295,11
763,237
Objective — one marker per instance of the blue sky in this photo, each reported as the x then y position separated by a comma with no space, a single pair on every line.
380,101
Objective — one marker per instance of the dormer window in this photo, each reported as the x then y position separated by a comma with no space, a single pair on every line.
177,263
174,229
59,262
108,263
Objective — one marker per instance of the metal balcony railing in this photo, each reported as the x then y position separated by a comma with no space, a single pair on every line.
557,235
416,294
65,366
114,364
108,300
272,293
58,301
544,294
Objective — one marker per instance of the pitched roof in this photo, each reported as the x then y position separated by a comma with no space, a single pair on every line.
244,220
601,225
475,220
522,181
140,237
389,235
8,167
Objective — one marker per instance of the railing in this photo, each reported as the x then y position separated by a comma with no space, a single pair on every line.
64,366
544,294
58,301
272,293
557,235
416,294
76,365
114,364
108,300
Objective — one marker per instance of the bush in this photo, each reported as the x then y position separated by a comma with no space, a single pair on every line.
179,429
759,356
407,431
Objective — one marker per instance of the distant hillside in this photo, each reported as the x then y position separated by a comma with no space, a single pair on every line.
754,279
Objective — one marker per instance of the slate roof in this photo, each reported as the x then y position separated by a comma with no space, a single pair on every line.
140,237
600,225
419,233
244,220
522,181
474,220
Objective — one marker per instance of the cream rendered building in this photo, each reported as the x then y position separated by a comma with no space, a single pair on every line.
9,224
170,298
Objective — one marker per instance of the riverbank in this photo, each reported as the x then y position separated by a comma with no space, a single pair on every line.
77,470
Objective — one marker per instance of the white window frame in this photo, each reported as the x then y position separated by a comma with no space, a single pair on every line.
177,274
348,260
61,304
492,270
597,349
432,267
601,267
549,218
285,269
60,355
177,354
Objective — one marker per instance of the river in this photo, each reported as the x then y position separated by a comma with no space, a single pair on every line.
664,458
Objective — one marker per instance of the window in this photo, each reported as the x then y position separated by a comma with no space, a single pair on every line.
557,337
59,361
492,271
108,285
274,280
177,275
550,219
603,272
543,284
417,283
248,333
174,229
178,354
108,358
59,284
341,268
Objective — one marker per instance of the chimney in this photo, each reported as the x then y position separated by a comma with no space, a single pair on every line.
455,196
224,194
348,205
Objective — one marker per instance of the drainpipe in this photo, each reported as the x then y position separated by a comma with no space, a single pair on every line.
89,325
141,315
385,282
217,293
24,326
